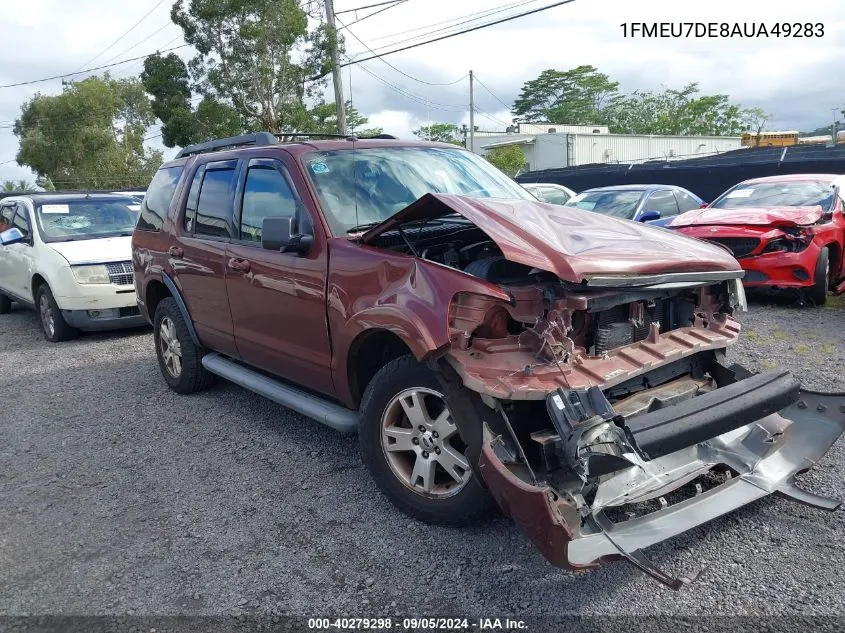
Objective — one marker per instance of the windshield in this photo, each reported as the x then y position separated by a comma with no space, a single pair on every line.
382,181
550,194
86,219
619,204
805,193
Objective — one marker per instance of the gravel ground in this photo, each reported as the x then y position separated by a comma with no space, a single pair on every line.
118,496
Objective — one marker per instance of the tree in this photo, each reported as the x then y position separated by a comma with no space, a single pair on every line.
674,112
323,120
440,132
21,186
91,136
257,56
574,97
508,158
755,120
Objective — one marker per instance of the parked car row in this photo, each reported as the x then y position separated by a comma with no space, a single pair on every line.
488,348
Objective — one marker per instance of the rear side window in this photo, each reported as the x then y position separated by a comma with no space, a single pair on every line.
157,199
214,207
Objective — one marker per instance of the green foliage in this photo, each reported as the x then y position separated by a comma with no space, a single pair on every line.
440,132
323,120
509,158
256,56
675,112
89,136
573,97
21,186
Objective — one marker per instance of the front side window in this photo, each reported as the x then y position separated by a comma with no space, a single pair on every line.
67,220
367,186
7,212
619,204
20,220
805,193
157,199
267,194
214,206
193,198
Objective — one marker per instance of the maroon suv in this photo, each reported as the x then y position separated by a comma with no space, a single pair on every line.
487,347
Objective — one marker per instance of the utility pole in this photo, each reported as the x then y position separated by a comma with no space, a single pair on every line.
338,81
833,127
471,115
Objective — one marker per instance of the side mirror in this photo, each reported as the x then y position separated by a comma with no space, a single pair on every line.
649,216
12,236
279,234
704,205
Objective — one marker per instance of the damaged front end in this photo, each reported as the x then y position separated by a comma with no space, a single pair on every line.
609,481
611,420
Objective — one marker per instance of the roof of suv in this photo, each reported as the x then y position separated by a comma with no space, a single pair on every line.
298,147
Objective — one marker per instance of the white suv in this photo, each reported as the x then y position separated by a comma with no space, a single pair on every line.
68,256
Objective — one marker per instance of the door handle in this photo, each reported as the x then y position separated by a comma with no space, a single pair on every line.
175,251
241,265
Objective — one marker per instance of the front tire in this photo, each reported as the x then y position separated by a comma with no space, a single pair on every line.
412,447
53,324
821,279
179,358
5,304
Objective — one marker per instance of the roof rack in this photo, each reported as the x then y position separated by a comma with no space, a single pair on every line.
264,138
259,138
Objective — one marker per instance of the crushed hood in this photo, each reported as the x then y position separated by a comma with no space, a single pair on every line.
751,216
573,244
101,250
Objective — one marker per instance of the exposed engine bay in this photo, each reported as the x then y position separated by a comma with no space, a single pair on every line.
612,420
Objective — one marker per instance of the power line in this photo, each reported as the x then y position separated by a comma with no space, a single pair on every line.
492,93
154,33
78,72
413,96
369,6
131,28
369,15
444,37
472,18
422,81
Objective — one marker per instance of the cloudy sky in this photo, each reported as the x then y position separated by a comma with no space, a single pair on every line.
797,80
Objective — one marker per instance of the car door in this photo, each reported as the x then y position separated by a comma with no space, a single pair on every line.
20,256
278,300
198,259
7,214
686,201
662,200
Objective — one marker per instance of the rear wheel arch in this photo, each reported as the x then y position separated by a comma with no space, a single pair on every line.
370,351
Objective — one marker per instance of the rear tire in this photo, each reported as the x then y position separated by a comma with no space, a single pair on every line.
53,324
179,358
821,279
412,447
5,304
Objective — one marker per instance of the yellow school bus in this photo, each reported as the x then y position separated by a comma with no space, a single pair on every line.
770,139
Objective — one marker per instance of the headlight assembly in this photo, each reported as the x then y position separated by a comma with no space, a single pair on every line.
91,274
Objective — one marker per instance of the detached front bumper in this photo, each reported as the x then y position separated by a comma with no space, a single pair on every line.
759,455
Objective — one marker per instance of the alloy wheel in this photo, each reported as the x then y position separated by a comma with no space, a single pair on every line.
171,348
48,319
422,445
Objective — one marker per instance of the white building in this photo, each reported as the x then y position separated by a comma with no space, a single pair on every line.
569,146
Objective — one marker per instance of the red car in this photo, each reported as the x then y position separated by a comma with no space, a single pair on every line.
787,232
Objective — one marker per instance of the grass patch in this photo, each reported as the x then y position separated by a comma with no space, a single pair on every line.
769,364
751,335
801,348
779,335
835,302
828,348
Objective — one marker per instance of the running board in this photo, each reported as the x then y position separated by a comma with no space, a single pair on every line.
311,406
